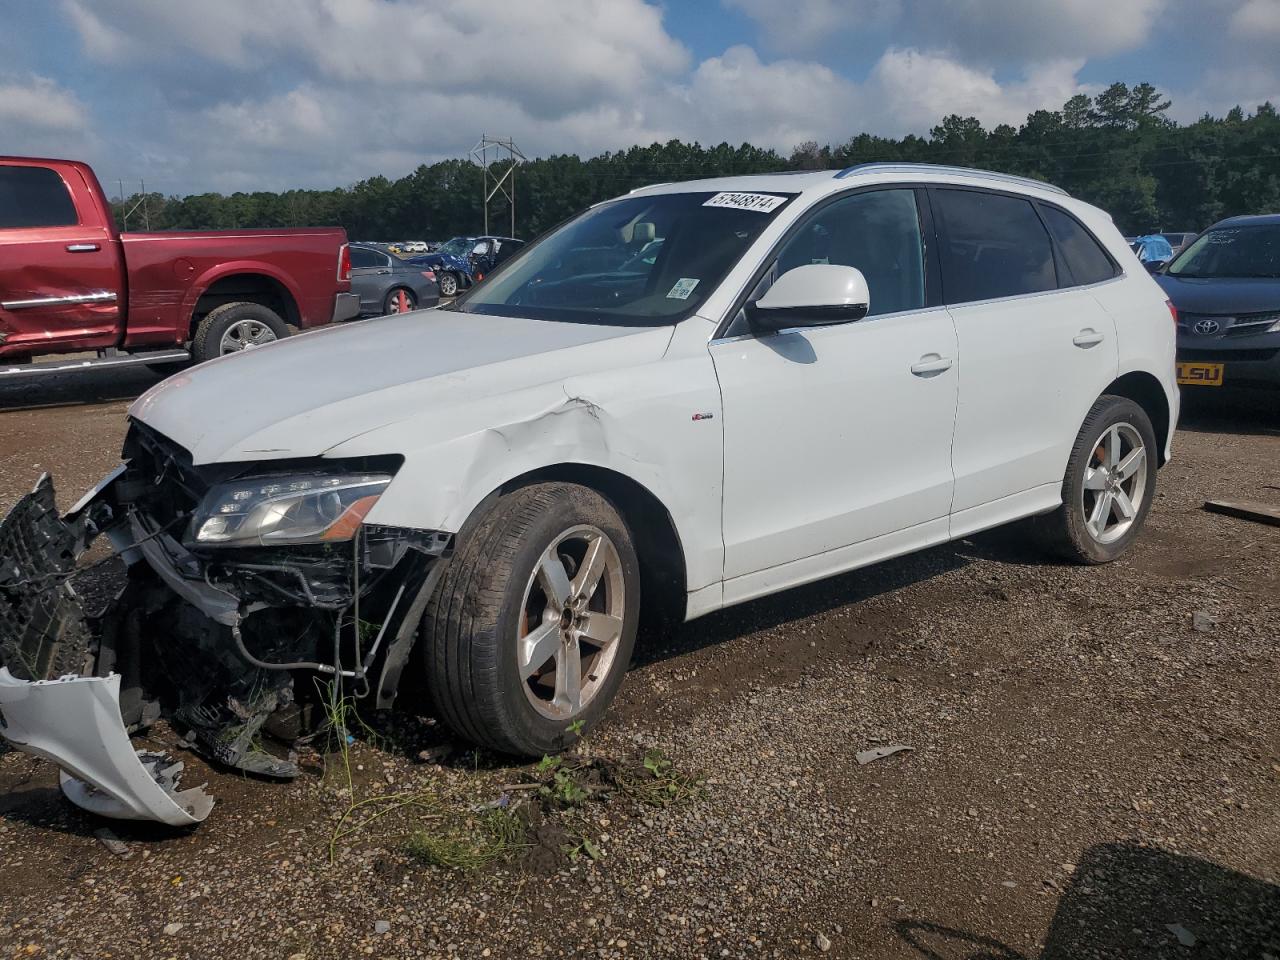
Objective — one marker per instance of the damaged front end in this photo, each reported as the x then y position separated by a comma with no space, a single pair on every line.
241,581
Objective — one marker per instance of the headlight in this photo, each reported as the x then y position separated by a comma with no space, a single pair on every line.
266,511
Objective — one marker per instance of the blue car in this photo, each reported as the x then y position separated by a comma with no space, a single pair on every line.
451,263
1154,248
464,261
1226,289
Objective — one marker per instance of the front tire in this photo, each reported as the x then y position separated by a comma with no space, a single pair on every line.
448,285
233,327
1108,487
531,630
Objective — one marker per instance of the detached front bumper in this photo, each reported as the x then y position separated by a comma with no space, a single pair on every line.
212,640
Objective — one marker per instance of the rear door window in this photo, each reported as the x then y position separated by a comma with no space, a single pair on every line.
993,245
1082,256
34,197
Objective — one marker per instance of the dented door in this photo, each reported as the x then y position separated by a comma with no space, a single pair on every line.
60,272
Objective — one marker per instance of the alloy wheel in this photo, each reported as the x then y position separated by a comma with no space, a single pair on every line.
1115,483
572,622
244,335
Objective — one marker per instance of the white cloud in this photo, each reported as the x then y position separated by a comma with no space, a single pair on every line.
1257,21
548,56
245,94
738,98
806,25
981,30
915,90
37,103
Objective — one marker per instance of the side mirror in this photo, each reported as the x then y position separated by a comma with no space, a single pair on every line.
1155,266
815,295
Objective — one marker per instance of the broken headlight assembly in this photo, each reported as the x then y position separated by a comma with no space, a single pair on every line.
283,510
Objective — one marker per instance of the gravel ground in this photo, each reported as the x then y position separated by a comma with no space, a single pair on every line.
1095,769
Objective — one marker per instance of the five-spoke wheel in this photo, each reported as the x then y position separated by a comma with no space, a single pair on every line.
1108,486
530,631
573,620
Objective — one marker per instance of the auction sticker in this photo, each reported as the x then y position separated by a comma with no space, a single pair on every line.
759,202
684,286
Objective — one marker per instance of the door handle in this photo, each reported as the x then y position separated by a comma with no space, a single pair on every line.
930,364
82,247
383,273
1088,337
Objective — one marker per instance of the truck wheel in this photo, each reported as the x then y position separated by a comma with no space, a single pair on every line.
237,326
530,631
1108,487
448,285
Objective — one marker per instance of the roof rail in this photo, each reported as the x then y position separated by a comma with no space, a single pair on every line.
890,167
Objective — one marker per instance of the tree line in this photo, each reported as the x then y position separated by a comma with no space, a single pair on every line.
1118,150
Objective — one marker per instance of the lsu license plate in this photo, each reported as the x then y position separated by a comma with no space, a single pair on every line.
1200,374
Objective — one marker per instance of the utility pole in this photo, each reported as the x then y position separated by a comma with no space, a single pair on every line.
498,159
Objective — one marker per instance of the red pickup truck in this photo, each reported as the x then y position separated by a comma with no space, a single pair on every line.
70,282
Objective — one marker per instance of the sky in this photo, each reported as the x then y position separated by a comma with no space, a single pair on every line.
227,95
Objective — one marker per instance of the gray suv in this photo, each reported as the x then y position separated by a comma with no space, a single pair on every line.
1226,289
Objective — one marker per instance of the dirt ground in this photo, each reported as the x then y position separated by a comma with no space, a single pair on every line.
1095,772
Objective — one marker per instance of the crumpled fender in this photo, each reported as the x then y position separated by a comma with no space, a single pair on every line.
75,723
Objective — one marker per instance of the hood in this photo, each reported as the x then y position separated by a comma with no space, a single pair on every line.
304,395
1229,296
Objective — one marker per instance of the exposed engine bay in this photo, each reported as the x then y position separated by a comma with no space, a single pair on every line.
248,588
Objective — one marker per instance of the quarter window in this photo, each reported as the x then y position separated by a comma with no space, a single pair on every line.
364,257
34,197
877,232
994,246
1082,256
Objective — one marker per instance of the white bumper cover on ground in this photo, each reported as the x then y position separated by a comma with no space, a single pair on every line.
75,723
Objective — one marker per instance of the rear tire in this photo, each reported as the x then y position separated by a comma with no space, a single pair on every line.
237,326
391,304
1108,487
500,651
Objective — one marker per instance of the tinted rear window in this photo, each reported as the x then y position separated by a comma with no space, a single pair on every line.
1082,255
34,197
995,246
363,257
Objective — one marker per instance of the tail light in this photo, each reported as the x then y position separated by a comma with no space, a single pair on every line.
1173,311
430,275
344,262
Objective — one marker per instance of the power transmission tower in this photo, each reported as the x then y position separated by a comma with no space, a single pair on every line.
498,160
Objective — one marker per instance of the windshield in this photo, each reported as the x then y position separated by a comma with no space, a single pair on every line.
1249,251
648,260
457,247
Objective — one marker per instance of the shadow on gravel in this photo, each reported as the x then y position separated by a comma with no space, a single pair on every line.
656,643
1223,410
1010,544
1137,903
97,386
